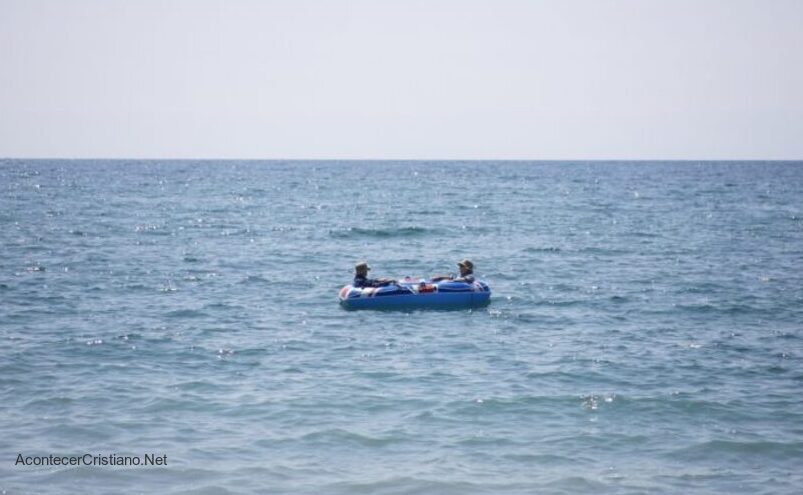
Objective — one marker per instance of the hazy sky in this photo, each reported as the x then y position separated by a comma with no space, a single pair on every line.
699,79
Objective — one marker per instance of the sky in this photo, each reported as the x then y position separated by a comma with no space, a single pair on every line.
406,79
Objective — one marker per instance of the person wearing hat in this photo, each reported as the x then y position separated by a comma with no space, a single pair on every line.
466,273
361,277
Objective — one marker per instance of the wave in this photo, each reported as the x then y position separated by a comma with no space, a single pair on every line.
339,436
254,279
704,308
358,232
544,249
404,485
186,313
760,448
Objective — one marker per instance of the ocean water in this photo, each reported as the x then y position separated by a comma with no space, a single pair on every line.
645,333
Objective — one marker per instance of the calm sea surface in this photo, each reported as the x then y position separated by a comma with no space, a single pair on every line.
645,333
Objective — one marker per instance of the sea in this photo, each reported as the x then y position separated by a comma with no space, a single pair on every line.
644,336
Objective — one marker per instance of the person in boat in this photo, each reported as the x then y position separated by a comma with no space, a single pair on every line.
466,273
361,277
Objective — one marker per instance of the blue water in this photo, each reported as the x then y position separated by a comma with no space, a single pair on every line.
645,333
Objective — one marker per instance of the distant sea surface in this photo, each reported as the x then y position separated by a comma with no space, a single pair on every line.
645,333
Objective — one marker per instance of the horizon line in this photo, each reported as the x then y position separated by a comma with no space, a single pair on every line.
560,160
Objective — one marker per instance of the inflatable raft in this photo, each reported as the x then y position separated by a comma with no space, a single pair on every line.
412,293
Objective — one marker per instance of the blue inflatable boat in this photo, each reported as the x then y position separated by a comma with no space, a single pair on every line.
412,293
